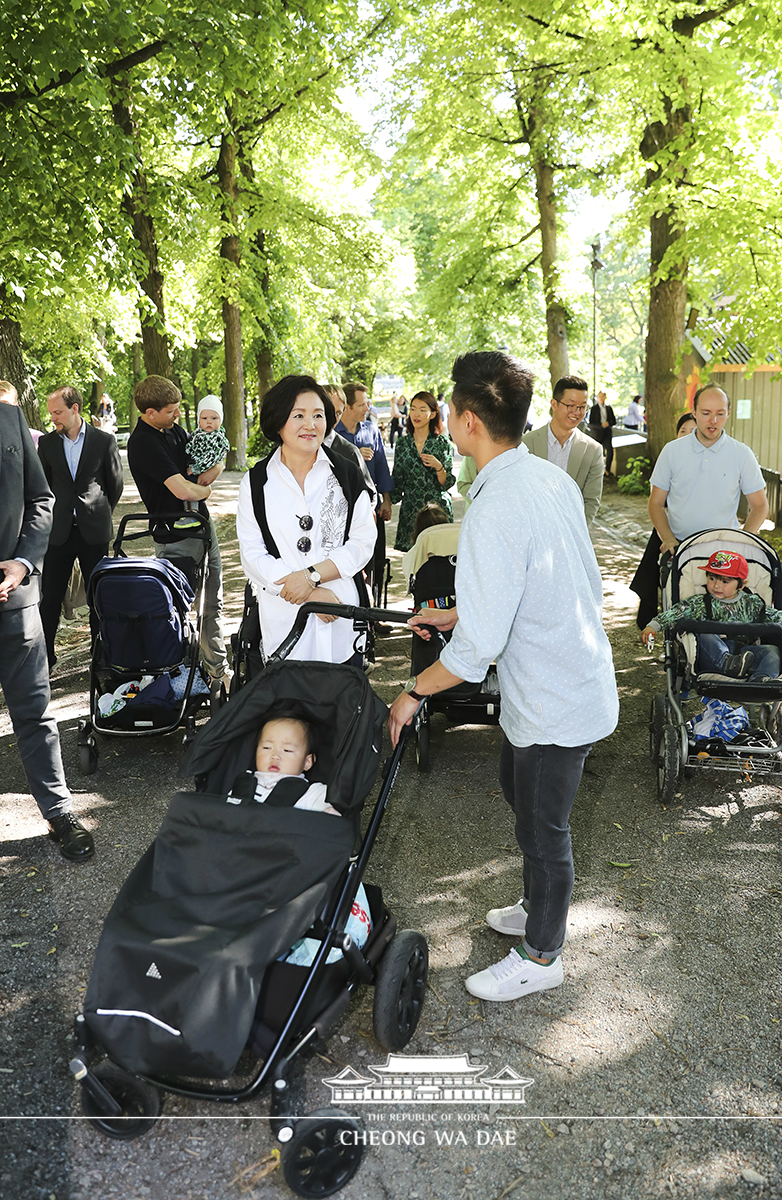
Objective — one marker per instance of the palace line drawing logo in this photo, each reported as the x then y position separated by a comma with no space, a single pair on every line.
420,1079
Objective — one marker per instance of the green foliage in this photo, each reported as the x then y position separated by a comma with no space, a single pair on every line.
636,481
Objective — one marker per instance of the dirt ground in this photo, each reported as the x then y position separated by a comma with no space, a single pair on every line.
654,1069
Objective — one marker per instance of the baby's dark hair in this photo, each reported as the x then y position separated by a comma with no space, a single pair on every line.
307,729
430,514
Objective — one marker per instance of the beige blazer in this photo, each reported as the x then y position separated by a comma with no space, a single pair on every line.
585,464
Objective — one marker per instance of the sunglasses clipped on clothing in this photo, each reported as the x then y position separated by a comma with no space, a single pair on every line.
304,544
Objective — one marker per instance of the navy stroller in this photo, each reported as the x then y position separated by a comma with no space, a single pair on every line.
188,972
148,636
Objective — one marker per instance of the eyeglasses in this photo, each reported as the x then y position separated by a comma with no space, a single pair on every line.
304,545
580,409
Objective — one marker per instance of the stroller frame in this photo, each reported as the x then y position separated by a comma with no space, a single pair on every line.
124,1105
188,706
672,749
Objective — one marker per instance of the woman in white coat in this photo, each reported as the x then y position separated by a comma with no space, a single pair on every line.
305,524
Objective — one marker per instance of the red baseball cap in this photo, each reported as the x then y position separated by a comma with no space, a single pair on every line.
727,564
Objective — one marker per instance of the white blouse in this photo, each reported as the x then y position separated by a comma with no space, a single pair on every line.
324,501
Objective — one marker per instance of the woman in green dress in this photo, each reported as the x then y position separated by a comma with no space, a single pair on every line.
422,466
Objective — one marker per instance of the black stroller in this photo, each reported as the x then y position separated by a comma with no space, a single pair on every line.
147,634
434,585
187,971
673,748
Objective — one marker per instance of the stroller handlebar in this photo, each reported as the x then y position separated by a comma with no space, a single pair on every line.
351,611
768,631
199,530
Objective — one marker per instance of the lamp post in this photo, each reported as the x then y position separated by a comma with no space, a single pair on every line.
596,266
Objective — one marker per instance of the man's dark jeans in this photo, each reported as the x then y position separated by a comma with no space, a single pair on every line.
540,784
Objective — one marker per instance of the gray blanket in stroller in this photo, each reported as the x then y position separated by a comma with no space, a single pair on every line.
214,900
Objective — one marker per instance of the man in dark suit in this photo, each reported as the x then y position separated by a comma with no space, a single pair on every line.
25,519
83,468
602,421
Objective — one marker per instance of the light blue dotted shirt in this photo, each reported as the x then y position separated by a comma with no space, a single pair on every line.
530,596
704,483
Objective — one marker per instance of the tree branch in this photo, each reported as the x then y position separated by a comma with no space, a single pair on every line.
107,71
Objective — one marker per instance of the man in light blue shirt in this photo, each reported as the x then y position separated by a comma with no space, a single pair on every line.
701,477
528,596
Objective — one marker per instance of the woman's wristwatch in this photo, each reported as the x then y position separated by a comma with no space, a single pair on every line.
410,689
313,576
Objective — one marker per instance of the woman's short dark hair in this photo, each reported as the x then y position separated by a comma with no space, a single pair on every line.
278,404
684,418
431,514
497,388
435,421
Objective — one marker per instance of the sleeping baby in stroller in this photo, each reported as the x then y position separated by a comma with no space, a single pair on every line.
285,750
726,599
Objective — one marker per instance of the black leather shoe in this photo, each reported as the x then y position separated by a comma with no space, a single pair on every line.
76,842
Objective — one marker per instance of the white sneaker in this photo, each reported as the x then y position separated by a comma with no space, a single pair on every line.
511,919
515,976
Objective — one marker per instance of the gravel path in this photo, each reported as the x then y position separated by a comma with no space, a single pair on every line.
655,1067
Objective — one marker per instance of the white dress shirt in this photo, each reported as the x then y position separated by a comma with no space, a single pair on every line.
558,454
529,595
324,501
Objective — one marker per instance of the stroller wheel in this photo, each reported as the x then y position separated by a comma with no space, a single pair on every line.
324,1153
657,715
400,989
668,765
139,1102
422,740
88,757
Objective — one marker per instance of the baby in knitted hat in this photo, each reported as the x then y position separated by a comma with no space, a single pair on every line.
209,445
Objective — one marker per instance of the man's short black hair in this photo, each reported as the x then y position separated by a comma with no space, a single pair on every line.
709,387
497,388
71,396
568,383
278,404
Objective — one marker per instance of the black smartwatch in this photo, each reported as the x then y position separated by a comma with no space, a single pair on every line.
410,689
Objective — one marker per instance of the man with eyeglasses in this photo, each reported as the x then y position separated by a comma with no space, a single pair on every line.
562,443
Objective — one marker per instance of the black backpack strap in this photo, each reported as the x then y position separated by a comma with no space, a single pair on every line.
258,476
285,793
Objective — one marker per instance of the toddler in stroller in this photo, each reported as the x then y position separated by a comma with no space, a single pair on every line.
726,599
723,639
285,750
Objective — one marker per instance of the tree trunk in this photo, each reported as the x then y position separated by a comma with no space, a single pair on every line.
663,382
136,365
135,205
556,313
12,365
231,255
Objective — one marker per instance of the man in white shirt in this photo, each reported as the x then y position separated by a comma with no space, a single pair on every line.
701,477
528,596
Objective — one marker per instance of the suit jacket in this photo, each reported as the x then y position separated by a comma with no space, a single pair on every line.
594,418
26,504
93,494
585,464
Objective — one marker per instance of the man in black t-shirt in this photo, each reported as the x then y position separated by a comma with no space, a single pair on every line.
158,464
